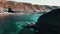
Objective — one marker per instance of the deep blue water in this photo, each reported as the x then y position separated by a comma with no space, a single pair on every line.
12,24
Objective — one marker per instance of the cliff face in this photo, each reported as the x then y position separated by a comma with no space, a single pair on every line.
19,6
39,7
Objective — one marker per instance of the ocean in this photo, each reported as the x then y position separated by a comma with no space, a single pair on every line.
14,24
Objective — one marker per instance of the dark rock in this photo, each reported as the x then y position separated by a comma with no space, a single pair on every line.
49,23
10,10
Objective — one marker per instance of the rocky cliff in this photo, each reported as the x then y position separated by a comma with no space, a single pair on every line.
20,6
17,5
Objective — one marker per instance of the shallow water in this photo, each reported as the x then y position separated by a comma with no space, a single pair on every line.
12,24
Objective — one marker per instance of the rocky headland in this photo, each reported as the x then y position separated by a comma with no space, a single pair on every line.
21,7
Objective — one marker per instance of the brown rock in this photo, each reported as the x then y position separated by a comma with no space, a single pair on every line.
20,6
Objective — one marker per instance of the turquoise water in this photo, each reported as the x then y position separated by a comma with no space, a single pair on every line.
25,19
15,23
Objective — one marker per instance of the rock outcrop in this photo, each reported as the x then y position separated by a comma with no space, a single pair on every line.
49,23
